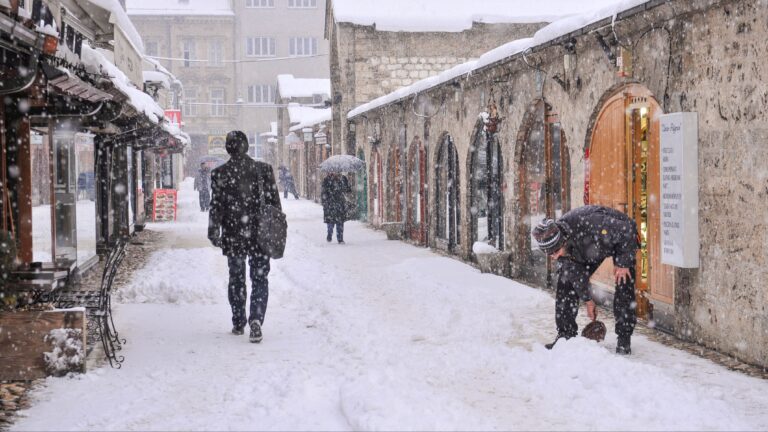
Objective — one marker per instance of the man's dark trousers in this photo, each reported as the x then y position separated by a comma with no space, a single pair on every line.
259,270
573,279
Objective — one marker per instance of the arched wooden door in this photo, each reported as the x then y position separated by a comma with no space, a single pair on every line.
486,200
623,173
362,189
394,186
375,189
447,195
416,191
544,184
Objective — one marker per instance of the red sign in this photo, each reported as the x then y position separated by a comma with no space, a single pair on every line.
164,205
173,116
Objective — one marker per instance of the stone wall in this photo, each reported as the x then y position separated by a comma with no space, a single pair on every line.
367,63
702,56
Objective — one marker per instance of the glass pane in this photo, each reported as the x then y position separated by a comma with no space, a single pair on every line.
86,197
65,194
41,198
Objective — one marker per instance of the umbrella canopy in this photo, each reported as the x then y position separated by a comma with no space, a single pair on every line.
341,163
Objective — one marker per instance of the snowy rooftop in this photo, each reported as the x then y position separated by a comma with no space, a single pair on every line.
291,87
302,114
176,7
454,15
272,130
552,31
311,119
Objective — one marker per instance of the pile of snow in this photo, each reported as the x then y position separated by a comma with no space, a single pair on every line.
290,87
480,248
550,32
176,7
453,15
96,62
67,354
169,279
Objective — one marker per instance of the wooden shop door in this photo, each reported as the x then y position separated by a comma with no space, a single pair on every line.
623,173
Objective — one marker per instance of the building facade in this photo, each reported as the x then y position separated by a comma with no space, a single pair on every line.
195,41
574,117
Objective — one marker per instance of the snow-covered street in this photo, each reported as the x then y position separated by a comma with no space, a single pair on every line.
373,335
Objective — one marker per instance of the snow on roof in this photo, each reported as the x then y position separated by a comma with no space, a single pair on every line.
454,15
550,32
119,16
300,114
320,116
96,62
175,7
272,130
155,76
291,87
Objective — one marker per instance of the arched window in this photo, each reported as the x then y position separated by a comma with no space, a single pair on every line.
486,199
447,191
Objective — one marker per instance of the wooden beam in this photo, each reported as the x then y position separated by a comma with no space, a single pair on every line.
25,338
24,191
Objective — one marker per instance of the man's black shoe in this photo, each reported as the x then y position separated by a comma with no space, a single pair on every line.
237,331
329,239
255,336
623,346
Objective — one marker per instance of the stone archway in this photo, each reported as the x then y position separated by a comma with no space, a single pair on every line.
486,201
447,203
416,194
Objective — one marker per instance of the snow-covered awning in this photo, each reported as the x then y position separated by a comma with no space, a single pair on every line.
119,17
291,87
546,34
96,62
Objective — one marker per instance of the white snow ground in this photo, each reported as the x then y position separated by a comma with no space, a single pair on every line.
373,335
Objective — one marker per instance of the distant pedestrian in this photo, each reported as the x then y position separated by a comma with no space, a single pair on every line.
335,187
287,182
202,186
580,240
240,186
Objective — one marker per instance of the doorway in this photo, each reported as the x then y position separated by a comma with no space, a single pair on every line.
416,192
623,173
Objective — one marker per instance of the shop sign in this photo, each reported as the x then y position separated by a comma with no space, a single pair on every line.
173,116
320,139
679,140
164,205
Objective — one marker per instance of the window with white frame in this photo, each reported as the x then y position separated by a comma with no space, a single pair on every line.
302,46
259,3
261,94
216,53
189,107
302,3
152,48
260,46
217,102
188,52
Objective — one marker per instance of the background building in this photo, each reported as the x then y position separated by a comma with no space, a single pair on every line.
194,40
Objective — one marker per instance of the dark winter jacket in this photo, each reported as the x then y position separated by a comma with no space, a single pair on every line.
595,233
237,195
334,202
286,178
202,180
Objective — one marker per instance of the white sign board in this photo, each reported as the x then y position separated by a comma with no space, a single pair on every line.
679,189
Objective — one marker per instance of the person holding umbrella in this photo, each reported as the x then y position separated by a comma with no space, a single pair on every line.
335,186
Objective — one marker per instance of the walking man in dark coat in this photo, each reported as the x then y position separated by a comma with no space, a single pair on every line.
286,180
333,189
202,186
240,186
580,240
